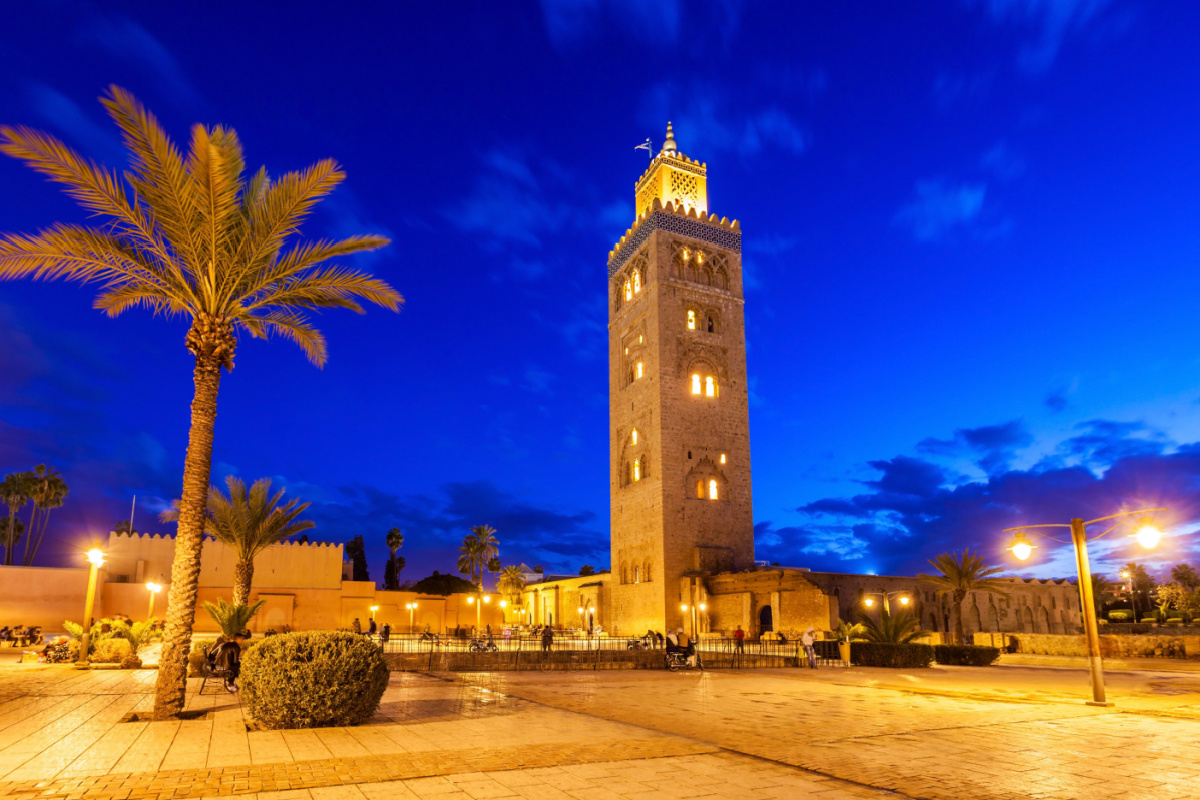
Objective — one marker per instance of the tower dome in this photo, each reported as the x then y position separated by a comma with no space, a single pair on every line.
669,144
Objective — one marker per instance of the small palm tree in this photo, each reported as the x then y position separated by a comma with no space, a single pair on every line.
391,572
494,566
192,236
847,631
15,492
232,617
962,574
248,522
901,628
511,583
48,490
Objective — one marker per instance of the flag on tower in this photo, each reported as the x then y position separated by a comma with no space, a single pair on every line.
646,146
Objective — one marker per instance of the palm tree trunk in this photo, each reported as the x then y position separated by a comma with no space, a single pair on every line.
30,556
959,634
243,575
29,532
171,689
12,522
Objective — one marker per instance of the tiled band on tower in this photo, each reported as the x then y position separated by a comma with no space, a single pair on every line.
680,447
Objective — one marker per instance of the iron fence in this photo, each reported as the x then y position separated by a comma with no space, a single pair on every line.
579,651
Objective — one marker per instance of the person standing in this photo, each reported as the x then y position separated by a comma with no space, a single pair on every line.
356,626
739,640
810,650
385,633
371,627
547,638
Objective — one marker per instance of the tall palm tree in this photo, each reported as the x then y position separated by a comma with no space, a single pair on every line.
494,566
1141,584
15,492
48,490
1100,587
391,573
248,522
961,574
191,236
478,547
13,527
901,628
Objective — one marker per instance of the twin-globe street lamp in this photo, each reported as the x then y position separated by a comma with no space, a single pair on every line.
487,598
1148,536
154,588
869,601
697,609
412,608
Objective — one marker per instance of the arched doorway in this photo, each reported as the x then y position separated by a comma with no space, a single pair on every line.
765,622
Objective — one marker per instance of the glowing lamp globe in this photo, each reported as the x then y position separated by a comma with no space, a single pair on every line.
870,601
153,587
903,601
1021,548
95,556
1148,535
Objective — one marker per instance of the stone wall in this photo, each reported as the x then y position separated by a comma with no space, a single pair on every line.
1163,645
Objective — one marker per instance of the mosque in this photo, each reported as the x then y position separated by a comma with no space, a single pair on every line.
679,442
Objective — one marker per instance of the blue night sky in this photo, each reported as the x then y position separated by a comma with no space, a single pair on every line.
971,237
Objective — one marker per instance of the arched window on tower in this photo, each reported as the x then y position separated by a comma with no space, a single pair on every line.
628,290
691,320
637,281
695,383
710,387
712,489
637,470
637,575
638,370
633,436
712,324
700,490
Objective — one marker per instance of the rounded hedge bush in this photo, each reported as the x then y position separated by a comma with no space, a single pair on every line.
965,655
1121,615
878,654
314,679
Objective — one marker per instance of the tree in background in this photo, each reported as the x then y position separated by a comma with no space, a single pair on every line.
1185,576
191,236
587,569
478,547
1101,586
1141,584
248,522
901,628
48,490
124,527
10,525
511,583
391,572
442,585
539,570
1185,601
494,566
356,551
15,492
960,575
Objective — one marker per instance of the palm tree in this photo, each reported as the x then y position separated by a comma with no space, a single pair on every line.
1140,585
901,628
192,237
1100,587
1185,576
962,574
232,617
47,490
248,522
478,547
511,583
15,492
11,525
494,566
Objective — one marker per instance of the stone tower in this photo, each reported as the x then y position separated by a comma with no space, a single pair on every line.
680,466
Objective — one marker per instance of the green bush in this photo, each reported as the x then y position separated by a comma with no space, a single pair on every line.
196,658
1120,615
110,651
965,655
1178,620
1150,619
878,654
314,679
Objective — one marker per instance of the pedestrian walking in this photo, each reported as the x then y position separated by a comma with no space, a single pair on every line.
810,651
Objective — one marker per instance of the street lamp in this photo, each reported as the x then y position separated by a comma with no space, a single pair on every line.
153,588
412,607
1147,534
870,601
373,610
95,557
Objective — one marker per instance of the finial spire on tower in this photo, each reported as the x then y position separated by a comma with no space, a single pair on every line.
669,144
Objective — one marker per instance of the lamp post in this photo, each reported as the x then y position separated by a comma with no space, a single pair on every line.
95,557
503,612
1147,535
373,610
870,601
154,589
412,607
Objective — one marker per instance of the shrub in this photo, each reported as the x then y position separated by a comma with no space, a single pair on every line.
877,654
1178,620
231,617
131,661
966,655
1150,619
196,657
1121,615
313,679
110,651
1101,622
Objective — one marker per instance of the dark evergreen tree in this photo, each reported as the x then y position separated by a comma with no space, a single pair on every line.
356,551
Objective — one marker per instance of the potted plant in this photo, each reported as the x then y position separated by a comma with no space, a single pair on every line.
846,632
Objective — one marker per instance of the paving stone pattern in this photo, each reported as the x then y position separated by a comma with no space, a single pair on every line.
576,736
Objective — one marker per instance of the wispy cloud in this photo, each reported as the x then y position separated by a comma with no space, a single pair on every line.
939,207
708,118
75,125
569,22
124,38
1002,162
1050,22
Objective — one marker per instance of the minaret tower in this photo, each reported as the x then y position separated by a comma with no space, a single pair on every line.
678,410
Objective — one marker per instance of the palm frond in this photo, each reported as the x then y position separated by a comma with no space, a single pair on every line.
335,287
296,327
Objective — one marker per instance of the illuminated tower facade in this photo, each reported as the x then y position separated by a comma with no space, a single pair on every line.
678,408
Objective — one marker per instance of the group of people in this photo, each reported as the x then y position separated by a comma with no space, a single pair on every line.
384,633
21,636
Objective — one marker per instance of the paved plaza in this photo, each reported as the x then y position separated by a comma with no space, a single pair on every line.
1001,732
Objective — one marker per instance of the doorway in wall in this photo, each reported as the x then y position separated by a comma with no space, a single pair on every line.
765,621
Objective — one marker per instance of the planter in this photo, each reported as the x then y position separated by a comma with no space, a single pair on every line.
844,651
